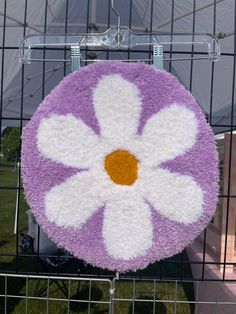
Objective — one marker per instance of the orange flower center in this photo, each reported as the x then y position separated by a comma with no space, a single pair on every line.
122,167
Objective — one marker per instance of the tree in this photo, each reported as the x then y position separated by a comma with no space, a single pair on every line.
11,143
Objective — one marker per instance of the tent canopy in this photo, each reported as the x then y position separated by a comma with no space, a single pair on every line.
212,85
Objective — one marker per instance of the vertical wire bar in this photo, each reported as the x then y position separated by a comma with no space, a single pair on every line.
66,29
192,51
5,293
212,65
43,94
89,304
133,297
204,255
38,243
171,30
151,26
26,294
111,297
182,265
108,24
21,127
211,107
87,29
47,298
190,87
196,304
161,273
140,274
44,50
154,296
17,199
69,290
130,23
150,52
176,287
217,297
2,76
230,148
2,71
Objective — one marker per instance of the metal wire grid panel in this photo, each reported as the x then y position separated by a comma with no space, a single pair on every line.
12,260
39,294
43,294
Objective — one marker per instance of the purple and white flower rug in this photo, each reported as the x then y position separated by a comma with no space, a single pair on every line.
120,166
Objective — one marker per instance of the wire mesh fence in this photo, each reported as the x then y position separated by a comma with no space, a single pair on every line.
30,274
53,294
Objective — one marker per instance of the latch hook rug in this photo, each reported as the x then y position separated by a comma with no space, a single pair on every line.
120,166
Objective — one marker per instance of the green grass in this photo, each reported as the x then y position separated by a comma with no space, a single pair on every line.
8,178
99,291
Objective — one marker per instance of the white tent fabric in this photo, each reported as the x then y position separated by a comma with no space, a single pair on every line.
142,14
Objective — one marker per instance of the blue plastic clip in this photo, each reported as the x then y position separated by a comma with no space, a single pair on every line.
158,56
75,58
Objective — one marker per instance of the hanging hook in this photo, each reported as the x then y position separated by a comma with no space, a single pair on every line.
118,18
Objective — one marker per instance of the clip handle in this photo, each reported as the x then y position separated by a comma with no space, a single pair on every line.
75,58
158,56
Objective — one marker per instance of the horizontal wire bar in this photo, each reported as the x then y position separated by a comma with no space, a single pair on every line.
176,301
172,279
15,118
126,60
117,50
53,299
40,256
118,299
10,187
27,119
223,125
128,278
55,277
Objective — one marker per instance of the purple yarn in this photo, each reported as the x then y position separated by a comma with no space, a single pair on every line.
74,95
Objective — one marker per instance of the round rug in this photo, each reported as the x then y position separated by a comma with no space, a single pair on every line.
120,166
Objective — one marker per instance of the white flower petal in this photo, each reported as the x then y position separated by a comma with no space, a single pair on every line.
127,226
175,196
117,104
67,140
167,134
72,202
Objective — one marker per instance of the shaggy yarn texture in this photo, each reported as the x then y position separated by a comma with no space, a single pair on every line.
119,165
